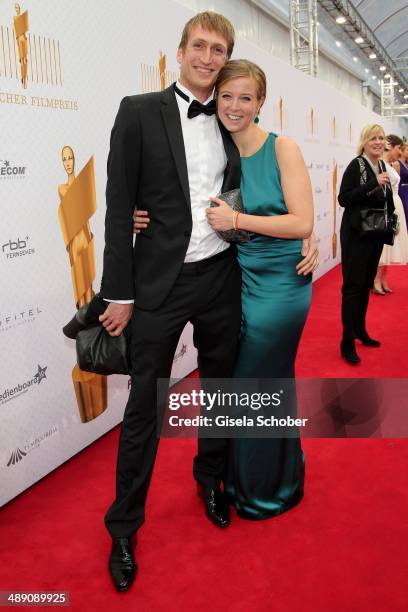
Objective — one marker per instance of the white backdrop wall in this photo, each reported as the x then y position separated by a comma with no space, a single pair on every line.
83,58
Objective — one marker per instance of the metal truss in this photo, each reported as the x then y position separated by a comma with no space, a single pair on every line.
303,36
389,107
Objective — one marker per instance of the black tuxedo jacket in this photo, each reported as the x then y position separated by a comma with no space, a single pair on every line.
147,170
353,196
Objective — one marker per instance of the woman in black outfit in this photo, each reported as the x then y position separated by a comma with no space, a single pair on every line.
367,186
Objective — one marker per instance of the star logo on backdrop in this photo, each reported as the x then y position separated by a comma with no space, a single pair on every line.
40,375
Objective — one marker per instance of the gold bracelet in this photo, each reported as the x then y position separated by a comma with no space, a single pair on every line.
234,219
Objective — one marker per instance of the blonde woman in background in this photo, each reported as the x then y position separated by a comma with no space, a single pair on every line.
360,254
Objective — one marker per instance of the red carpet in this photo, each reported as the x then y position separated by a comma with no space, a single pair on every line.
342,549
387,320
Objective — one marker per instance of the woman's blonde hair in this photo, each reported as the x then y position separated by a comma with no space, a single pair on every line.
367,133
235,69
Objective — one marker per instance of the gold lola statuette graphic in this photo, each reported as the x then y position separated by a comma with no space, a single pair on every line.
78,204
157,76
334,127
312,126
334,185
162,71
21,26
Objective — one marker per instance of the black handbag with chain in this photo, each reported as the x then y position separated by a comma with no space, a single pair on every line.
376,221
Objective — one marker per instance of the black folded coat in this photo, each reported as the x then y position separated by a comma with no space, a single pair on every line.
97,351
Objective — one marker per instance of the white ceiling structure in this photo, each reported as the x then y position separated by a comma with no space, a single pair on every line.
388,19
382,26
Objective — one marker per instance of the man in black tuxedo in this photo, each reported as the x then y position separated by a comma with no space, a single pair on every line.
168,155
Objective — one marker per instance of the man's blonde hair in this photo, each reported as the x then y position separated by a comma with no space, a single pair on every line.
213,22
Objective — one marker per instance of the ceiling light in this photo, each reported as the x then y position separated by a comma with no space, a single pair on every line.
366,69
382,68
341,19
401,89
373,76
355,59
372,55
406,96
359,40
338,43
387,76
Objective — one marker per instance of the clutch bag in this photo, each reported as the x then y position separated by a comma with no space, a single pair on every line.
234,200
101,353
96,350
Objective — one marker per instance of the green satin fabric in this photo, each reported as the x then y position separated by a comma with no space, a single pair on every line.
265,476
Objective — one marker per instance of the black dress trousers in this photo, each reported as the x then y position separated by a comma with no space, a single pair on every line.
360,258
208,294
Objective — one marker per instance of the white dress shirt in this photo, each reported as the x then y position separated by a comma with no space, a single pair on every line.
206,161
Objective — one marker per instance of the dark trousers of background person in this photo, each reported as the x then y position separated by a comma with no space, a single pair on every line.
208,294
360,256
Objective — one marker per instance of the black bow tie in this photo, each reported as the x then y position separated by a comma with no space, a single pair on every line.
196,108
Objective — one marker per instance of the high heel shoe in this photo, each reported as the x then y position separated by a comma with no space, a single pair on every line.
367,341
378,290
348,352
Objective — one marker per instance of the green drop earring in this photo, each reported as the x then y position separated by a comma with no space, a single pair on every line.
256,120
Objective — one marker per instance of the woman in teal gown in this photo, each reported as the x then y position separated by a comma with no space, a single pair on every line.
266,476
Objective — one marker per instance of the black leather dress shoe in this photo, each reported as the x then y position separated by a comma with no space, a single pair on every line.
348,352
122,565
216,505
367,341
